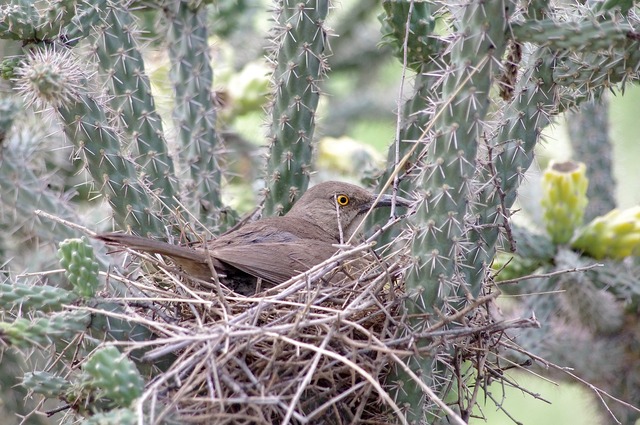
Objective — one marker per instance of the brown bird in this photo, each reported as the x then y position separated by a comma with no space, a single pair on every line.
273,249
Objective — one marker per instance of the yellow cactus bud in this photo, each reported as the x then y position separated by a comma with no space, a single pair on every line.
614,235
564,198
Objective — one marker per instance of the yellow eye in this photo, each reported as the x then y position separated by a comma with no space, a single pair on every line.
342,200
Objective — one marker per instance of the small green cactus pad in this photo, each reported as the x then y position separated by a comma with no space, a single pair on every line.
615,235
564,199
78,260
115,375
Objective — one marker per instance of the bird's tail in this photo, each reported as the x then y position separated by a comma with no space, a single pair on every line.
149,245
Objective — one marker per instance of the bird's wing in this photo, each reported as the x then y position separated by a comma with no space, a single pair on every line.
275,262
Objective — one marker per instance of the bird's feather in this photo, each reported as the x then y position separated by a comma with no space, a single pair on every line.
276,262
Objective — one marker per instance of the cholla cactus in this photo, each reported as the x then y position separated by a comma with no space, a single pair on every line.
300,41
490,77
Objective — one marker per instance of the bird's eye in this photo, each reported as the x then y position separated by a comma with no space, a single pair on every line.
342,200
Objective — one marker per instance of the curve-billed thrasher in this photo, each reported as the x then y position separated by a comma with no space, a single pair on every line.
273,249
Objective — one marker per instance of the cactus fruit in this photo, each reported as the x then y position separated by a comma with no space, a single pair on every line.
564,199
114,375
77,258
615,235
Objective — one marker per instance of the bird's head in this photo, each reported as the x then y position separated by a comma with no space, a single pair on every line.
339,207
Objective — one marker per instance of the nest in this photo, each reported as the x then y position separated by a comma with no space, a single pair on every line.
312,350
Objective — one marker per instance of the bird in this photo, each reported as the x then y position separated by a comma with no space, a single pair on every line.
272,250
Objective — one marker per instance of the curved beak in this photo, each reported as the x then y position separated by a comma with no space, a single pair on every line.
386,200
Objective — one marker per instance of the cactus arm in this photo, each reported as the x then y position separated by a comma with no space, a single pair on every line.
590,142
53,77
576,36
445,185
194,113
512,154
301,40
422,56
21,20
122,64
23,192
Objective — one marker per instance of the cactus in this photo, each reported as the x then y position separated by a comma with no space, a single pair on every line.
564,199
299,55
26,21
27,297
421,21
122,63
76,257
195,114
423,56
446,177
615,235
45,383
114,375
591,144
55,77
42,331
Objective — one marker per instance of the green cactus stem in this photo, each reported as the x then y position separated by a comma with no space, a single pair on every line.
422,57
48,384
22,192
31,22
114,375
585,35
28,297
42,331
54,77
131,100
194,113
445,186
564,199
77,258
591,144
421,42
511,154
300,41
445,183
